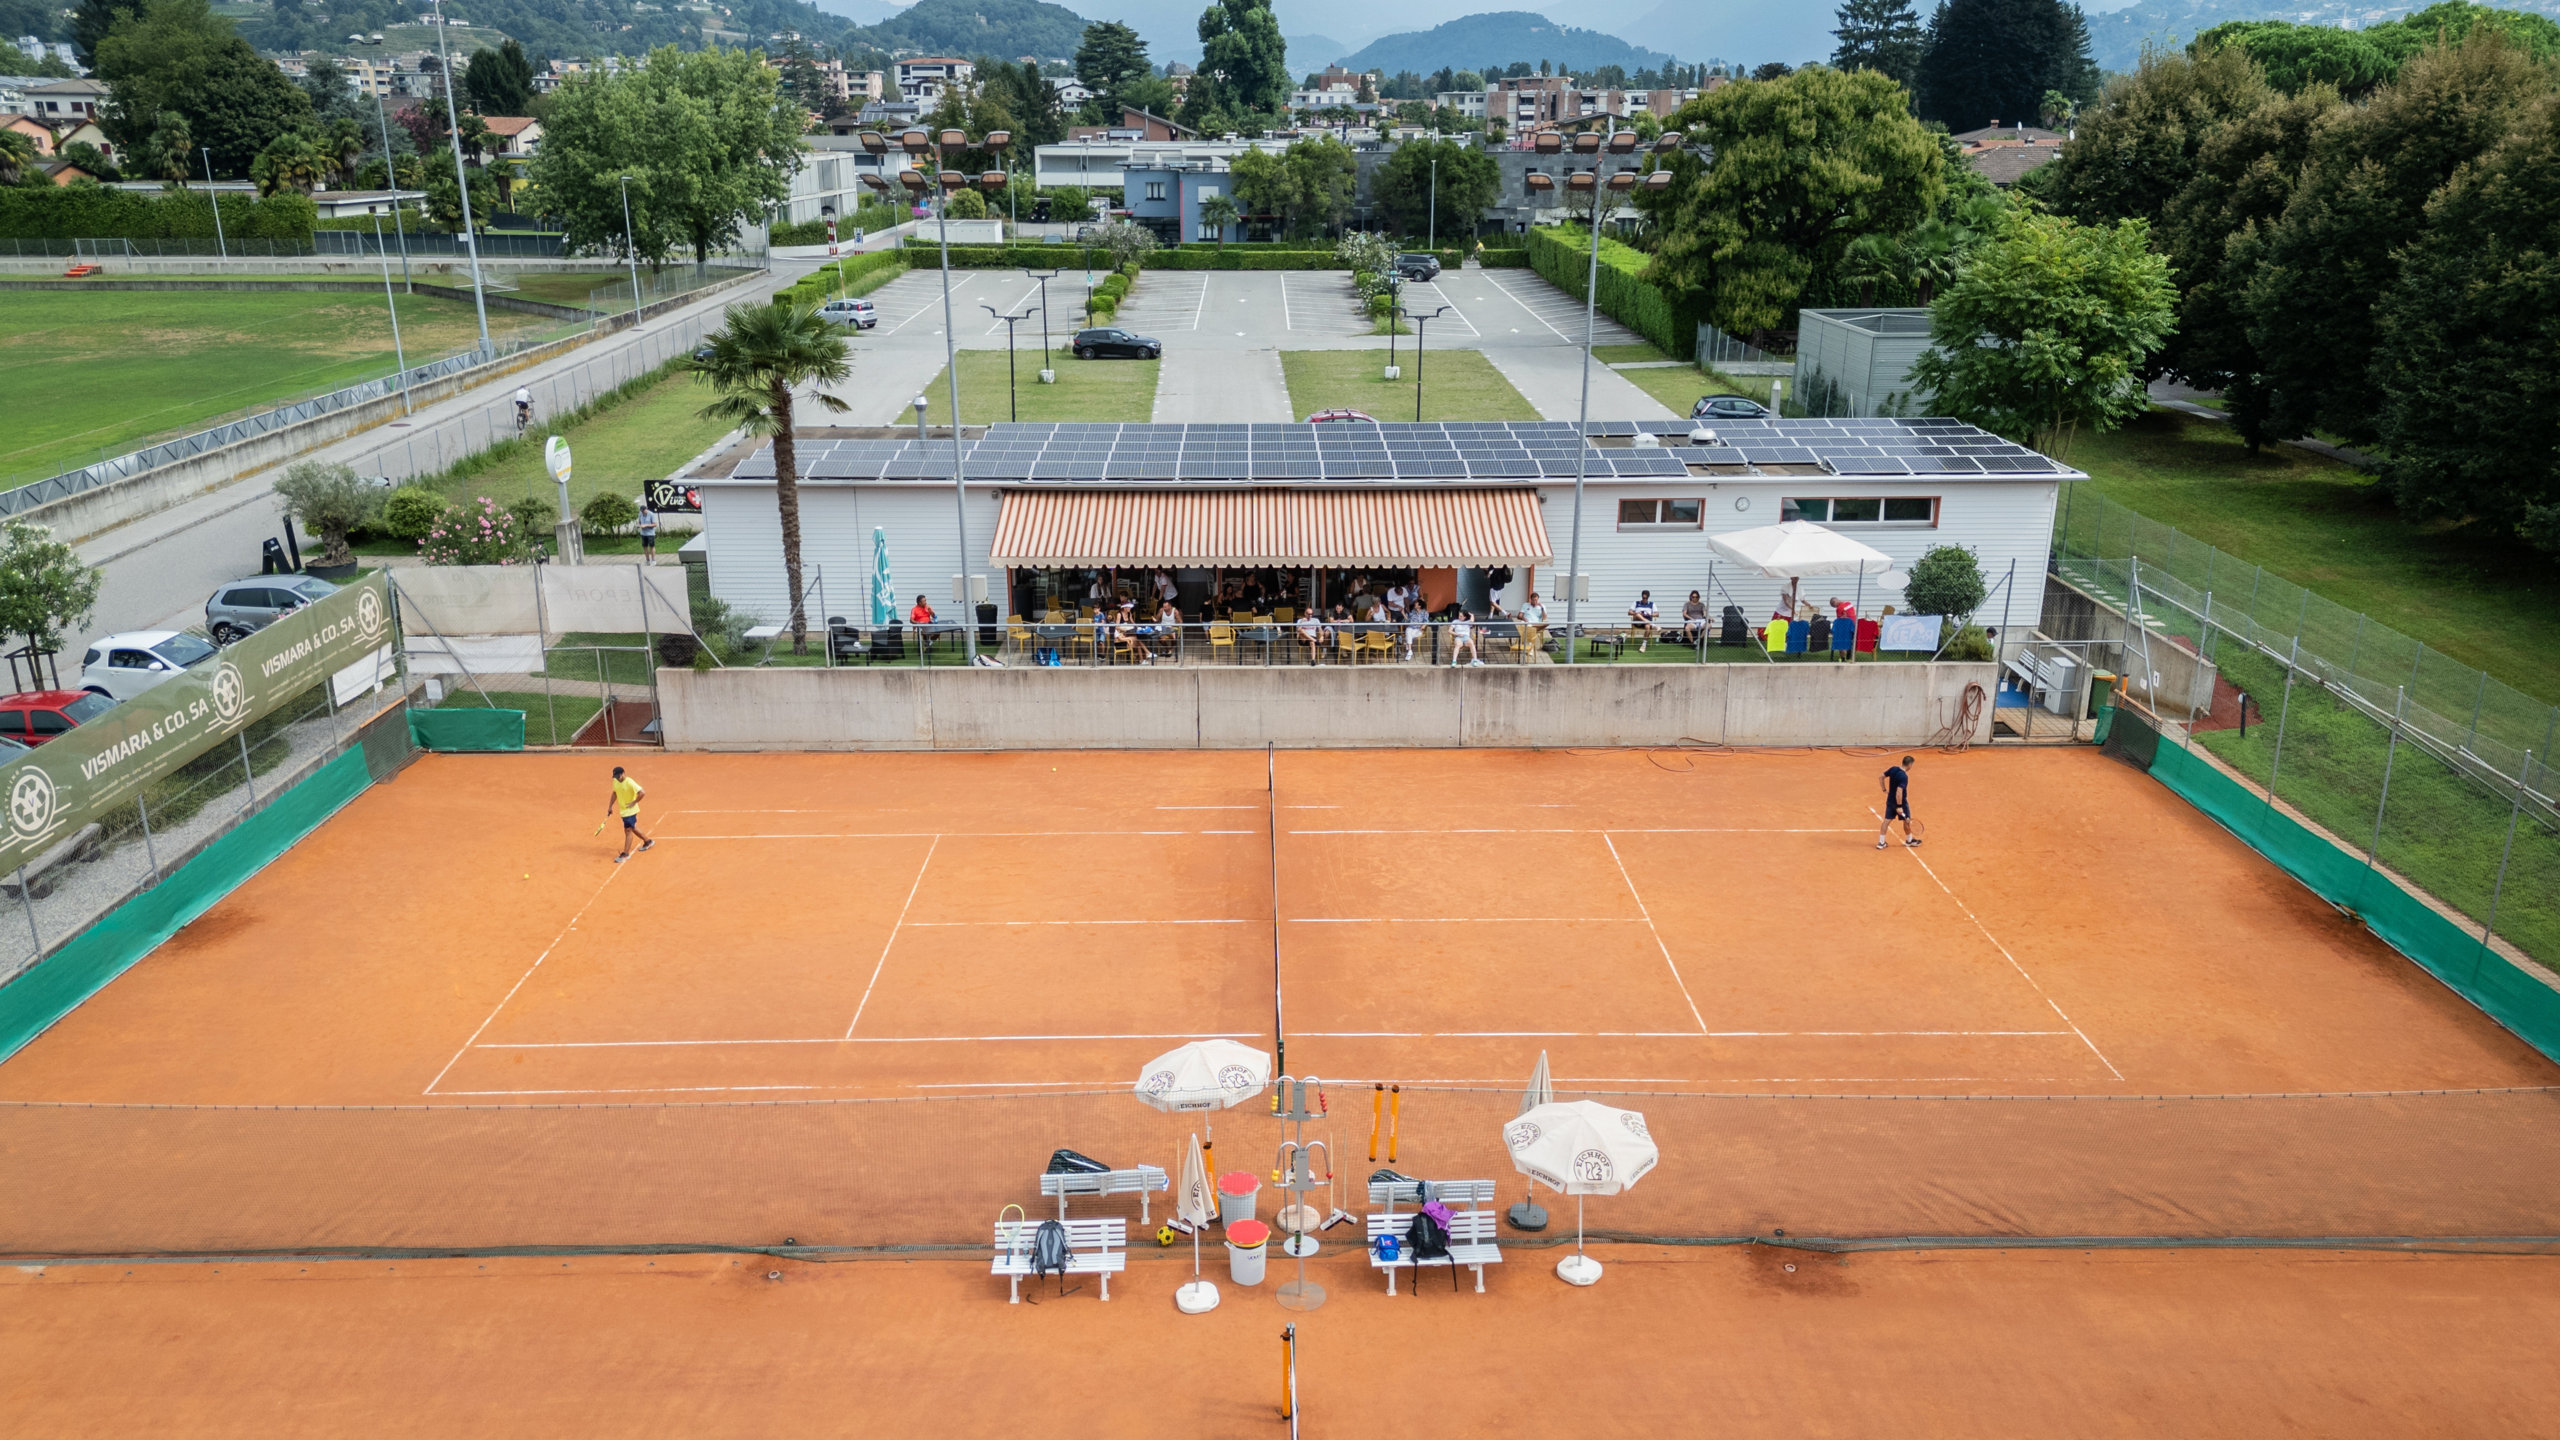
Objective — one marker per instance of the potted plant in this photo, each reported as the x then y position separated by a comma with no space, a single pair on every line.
331,503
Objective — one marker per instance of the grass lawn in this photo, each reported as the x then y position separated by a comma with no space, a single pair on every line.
1456,385
2323,525
546,722
1122,390
1680,388
106,371
558,288
644,437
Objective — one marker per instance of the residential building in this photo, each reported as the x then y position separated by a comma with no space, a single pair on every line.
1134,124
1329,97
2004,156
340,204
1521,101
517,136
1164,189
62,172
923,79
1453,509
85,133
1469,103
831,176
36,131
64,102
851,85
35,49
1071,92
1101,165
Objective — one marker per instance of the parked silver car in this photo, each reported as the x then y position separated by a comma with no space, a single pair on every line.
857,313
244,607
123,666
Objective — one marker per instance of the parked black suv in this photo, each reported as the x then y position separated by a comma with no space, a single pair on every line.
1109,340
1422,267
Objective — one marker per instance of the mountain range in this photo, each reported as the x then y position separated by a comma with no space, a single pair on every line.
1002,28
1472,42
2117,38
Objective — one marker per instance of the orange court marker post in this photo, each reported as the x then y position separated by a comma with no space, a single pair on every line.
1395,1118
1288,1372
1377,1112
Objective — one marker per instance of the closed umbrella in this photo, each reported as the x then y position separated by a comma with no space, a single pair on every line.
1204,1075
1581,1147
1529,1214
884,590
1195,1205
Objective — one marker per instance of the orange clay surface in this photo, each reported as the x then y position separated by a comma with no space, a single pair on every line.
1723,1342
857,1000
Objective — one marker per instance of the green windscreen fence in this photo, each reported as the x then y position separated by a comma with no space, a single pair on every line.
467,729
2458,956
59,982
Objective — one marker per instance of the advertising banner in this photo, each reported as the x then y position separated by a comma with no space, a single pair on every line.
62,785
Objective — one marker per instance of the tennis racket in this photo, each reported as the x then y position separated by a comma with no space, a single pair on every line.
600,825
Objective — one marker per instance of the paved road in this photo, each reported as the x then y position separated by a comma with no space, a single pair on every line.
159,570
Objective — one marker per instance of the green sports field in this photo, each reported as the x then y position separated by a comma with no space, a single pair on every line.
103,372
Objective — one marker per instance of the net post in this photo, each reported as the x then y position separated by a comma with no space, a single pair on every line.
542,643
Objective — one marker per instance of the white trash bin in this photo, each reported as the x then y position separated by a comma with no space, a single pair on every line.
1248,1244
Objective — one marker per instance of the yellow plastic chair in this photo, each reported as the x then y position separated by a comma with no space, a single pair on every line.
1284,616
1222,636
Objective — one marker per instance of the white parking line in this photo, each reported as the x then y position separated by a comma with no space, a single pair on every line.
1287,320
1200,304
1516,299
1443,297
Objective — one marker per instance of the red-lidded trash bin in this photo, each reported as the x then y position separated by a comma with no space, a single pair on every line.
1248,1241
1238,1192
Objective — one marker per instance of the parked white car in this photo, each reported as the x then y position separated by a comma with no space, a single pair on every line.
123,666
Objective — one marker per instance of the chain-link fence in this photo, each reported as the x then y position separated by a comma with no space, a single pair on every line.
2420,765
46,903
529,638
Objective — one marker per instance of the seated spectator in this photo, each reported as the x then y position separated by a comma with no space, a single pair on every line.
1313,635
922,614
1693,620
1533,623
1462,637
1641,616
1124,630
1415,621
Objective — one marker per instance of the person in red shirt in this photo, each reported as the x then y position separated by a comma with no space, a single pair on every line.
1842,609
922,614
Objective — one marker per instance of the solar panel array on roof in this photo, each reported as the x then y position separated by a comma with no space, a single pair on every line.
1457,451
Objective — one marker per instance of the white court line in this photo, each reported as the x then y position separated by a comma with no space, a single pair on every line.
1208,807
519,985
961,834
652,1090
1497,1034
1658,941
1612,830
847,1040
1914,852
883,964
1011,1084
1462,920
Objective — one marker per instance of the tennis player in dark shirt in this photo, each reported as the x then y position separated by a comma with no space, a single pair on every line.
1896,782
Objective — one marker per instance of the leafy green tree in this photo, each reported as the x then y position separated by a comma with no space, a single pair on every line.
966,205
1469,182
2048,330
2360,203
330,502
706,137
2213,231
758,359
331,93
18,157
1125,243
45,587
2451,22
608,512
290,162
1308,188
1881,35
1803,166
1244,67
179,56
500,81
1992,61
2138,146
90,22
977,109
1946,580
1109,60
2295,56
2468,353
444,196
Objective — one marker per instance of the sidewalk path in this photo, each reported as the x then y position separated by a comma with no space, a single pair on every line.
1551,378
1223,387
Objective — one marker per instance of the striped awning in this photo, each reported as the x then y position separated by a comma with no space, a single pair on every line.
1271,527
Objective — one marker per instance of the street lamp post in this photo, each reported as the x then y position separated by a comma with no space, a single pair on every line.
1047,375
1395,307
1591,182
920,143
213,198
399,356
1419,334
630,244
462,182
1434,242
391,182
1013,397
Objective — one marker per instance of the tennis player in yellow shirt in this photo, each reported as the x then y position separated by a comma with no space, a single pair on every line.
625,801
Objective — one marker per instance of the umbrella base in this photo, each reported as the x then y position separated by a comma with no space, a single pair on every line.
1577,1270
1195,1297
1528,1216
1299,1247
1301,1295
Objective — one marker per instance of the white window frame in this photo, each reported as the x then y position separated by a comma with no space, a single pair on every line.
1791,508
1661,508
1155,190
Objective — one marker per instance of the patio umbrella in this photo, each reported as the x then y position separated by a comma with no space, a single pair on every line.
1195,1205
1794,550
884,590
1581,1147
1204,1075
1529,1214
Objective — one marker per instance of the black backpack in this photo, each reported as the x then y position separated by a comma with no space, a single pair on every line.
1049,1250
1426,1239
1068,1162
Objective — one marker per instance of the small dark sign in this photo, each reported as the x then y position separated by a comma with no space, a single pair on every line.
665,496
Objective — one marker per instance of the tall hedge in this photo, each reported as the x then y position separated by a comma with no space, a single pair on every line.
95,212
819,285
1668,318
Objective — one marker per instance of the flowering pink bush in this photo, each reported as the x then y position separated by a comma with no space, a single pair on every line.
475,534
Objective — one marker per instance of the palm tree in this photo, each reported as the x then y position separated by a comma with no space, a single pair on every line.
756,360
344,148
17,156
1870,261
1220,211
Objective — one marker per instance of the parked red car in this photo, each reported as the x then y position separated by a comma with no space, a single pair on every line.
32,717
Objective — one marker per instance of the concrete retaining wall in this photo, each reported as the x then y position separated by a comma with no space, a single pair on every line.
902,708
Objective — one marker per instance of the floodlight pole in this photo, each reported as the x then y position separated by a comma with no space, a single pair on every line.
630,244
1433,244
220,246
399,356
1419,335
1582,434
462,182
1013,397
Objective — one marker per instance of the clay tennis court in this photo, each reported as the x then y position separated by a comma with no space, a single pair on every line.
971,955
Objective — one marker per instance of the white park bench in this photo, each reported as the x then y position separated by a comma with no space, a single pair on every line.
1094,1247
1472,1233
1107,1182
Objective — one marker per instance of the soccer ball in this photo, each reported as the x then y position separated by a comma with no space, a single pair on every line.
1165,1235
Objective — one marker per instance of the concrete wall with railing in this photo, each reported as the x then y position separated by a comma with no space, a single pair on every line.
1209,707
